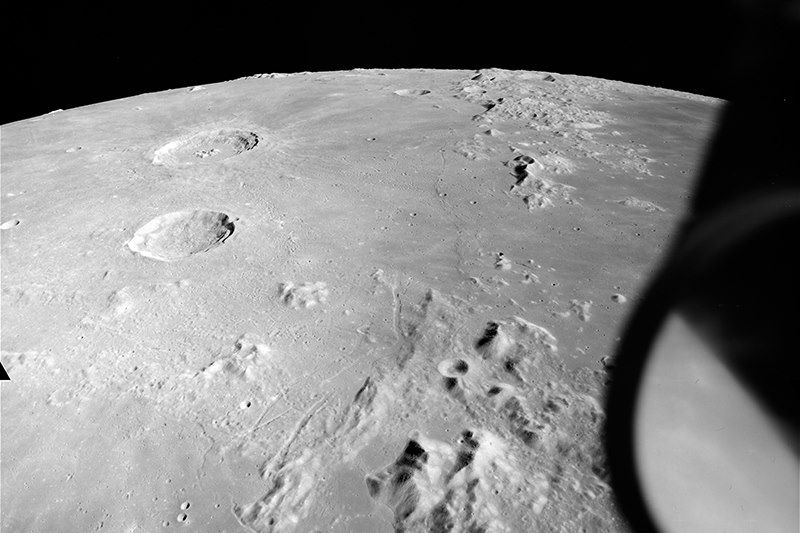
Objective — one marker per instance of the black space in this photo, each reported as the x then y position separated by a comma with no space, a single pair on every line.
72,55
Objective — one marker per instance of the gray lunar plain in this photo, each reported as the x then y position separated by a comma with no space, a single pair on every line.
343,301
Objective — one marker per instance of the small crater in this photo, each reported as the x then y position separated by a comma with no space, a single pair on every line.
530,277
453,367
217,145
185,505
8,224
183,517
181,234
412,92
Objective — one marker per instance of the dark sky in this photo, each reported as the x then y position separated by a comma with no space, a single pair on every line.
63,57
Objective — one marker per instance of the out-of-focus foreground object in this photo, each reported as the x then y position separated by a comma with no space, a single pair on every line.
702,431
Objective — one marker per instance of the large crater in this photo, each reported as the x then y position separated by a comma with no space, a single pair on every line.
205,147
180,234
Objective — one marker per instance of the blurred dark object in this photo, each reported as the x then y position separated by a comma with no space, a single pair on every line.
733,271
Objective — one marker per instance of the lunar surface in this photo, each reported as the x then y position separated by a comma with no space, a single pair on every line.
345,301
